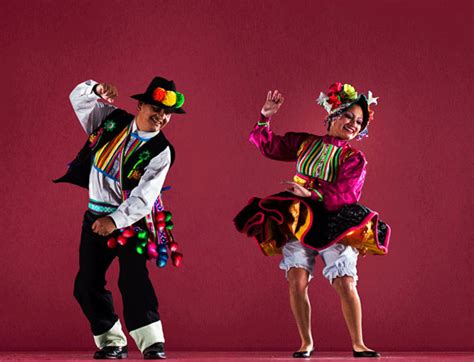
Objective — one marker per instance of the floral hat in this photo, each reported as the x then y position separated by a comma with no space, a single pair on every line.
341,97
162,93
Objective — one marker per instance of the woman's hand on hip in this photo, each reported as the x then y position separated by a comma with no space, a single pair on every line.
297,189
273,103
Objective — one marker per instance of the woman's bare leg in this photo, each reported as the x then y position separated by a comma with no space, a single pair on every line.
300,305
352,310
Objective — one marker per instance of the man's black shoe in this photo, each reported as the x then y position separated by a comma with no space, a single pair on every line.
155,351
112,352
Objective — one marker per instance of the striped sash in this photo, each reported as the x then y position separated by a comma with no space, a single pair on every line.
320,160
110,158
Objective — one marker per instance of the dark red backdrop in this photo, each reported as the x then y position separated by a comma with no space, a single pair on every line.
225,55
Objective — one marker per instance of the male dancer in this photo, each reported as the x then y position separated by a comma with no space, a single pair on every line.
123,164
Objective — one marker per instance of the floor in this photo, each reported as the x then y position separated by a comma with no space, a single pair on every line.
241,356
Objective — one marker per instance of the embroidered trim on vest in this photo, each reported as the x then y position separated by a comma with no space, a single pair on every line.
320,160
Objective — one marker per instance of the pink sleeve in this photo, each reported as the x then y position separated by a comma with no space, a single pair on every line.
348,186
282,148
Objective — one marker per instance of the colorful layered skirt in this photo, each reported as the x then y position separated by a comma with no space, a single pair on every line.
282,217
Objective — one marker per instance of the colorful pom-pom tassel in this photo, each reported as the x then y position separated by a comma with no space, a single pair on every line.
160,216
122,240
128,233
160,262
176,259
170,99
161,225
173,246
111,243
159,94
151,249
140,250
168,216
179,100
142,234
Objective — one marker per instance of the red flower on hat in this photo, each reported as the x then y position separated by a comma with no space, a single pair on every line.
334,101
159,94
336,87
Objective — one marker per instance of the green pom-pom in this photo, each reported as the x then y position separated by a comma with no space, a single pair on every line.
179,100
142,234
140,250
168,216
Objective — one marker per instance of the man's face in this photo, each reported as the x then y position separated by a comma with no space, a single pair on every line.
151,118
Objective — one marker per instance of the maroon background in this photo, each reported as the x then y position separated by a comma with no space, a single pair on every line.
224,56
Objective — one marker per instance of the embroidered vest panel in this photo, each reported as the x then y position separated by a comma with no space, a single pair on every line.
79,169
105,141
320,160
135,162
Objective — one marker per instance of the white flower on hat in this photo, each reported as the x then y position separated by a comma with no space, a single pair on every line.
371,99
323,101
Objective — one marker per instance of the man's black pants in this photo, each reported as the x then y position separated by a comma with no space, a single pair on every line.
140,305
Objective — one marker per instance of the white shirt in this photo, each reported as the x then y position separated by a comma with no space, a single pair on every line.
90,113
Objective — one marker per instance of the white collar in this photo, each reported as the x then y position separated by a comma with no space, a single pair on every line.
144,135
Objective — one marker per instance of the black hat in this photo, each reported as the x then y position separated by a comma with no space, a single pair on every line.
162,93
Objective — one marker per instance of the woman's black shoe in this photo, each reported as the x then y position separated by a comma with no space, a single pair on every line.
303,354
111,352
365,354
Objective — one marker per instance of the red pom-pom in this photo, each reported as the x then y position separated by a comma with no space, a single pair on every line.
160,216
128,233
176,258
173,246
159,94
122,240
111,243
161,225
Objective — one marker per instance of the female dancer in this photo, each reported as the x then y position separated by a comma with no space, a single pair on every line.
318,213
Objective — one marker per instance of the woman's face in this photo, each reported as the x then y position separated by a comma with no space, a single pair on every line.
348,124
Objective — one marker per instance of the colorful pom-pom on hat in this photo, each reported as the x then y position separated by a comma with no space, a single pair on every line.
342,96
162,93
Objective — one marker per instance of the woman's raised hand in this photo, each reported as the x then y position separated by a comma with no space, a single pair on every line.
273,103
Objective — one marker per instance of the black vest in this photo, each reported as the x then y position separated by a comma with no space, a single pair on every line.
80,168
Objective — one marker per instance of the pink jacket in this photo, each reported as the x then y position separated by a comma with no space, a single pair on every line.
335,170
